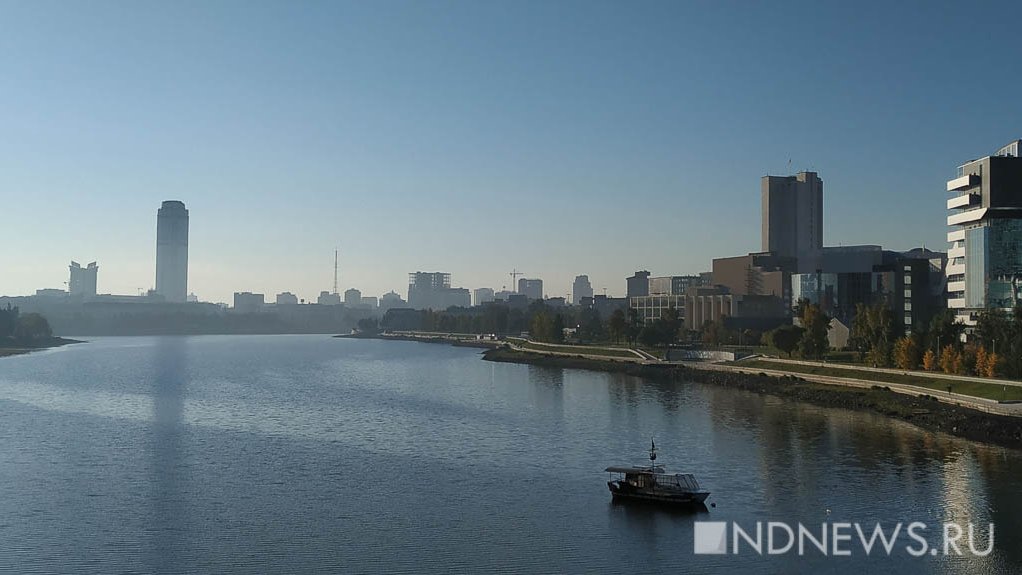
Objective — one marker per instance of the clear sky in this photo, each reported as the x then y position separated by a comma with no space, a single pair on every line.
558,138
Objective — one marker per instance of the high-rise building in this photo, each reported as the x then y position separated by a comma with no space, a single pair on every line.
83,280
637,285
531,288
482,295
352,297
985,232
391,300
581,288
793,218
172,251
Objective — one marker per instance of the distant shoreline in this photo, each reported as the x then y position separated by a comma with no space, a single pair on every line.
923,411
49,344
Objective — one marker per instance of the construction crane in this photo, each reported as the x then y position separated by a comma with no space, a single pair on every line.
514,277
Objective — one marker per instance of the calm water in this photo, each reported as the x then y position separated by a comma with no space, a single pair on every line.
307,453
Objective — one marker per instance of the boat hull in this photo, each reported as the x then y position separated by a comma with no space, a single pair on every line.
658,496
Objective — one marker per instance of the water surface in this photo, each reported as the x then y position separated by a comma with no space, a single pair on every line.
308,453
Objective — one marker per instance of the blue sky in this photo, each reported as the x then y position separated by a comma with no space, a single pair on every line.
558,138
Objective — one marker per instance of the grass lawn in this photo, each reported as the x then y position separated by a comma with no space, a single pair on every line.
939,386
582,349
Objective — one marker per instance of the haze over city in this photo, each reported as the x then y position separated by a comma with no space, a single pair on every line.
561,139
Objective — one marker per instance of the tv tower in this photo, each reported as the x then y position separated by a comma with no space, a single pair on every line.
335,271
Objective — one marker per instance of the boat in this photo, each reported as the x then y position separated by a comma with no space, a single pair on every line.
653,484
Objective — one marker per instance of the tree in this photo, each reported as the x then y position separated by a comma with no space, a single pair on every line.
8,321
816,324
785,338
906,353
557,329
634,325
617,325
982,357
993,365
944,329
930,360
873,332
947,359
32,328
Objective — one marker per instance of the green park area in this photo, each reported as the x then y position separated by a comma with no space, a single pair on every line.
994,391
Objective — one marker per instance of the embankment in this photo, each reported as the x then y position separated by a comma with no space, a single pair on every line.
923,411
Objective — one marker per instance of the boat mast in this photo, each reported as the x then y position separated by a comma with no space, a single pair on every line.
652,455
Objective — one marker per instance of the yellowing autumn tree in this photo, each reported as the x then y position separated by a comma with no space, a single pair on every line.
930,360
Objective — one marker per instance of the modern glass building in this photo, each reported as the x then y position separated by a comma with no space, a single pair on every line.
985,232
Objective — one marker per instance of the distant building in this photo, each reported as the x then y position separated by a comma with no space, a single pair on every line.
482,295
246,302
172,251
756,274
50,293
83,280
555,302
531,288
653,307
352,298
792,218
391,300
581,288
673,285
605,306
287,298
192,298
734,311
327,298
502,295
369,302
432,290
637,285
985,232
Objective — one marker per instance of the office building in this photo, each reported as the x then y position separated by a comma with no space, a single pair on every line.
734,311
482,295
581,288
172,251
83,280
247,302
532,289
985,232
637,285
792,217
369,302
287,298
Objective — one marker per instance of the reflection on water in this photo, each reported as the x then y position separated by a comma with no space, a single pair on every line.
306,453
169,476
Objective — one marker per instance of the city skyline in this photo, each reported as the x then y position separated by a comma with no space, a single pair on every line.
364,126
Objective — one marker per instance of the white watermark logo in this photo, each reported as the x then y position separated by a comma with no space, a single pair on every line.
839,539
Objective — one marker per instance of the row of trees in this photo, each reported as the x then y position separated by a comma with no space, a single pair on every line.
22,329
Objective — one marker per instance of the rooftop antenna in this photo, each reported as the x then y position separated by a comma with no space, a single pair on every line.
335,271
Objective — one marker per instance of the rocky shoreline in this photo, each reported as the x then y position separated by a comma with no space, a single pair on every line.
923,411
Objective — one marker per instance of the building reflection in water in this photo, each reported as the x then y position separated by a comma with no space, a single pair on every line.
168,472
